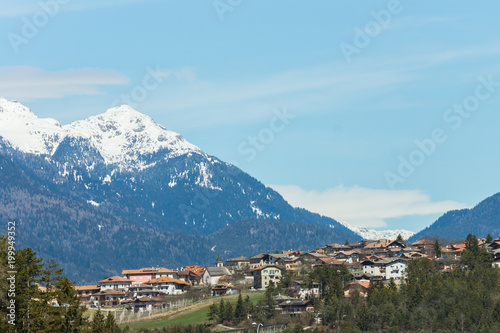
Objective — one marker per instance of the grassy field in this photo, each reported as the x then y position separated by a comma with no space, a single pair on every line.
194,316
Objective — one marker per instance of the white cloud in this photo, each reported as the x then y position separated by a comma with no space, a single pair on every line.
26,83
364,207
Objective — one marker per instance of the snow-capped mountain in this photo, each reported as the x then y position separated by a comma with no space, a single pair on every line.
378,234
126,165
121,135
120,188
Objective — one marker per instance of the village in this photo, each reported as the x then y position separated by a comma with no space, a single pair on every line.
382,260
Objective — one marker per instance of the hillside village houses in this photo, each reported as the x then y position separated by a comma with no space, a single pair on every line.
367,260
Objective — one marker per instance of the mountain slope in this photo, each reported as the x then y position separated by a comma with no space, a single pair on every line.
481,220
156,197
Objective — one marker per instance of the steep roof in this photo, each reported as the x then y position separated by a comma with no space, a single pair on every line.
218,271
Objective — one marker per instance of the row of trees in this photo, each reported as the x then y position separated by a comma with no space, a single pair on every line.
224,312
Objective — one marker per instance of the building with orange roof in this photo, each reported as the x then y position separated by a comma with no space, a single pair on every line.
143,275
168,285
361,286
86,291
115,283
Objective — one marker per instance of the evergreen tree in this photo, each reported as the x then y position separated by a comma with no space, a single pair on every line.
221,310
346,242
213,313
110,324
489,239
437,249
400,239
98,324
228,312
240,313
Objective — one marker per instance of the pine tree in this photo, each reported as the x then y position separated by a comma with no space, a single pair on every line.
98,324
489,239
110,324
437,249
400,239
228,312
239,309
221,310
213,313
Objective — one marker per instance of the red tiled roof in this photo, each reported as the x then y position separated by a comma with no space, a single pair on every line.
152,270
89,287
115,279
167,279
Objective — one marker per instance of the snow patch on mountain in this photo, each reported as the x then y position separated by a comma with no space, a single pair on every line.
379,234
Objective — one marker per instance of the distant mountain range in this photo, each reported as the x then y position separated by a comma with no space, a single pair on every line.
118,190
481,220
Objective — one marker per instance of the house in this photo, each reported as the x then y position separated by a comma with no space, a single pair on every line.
425,246
144,303
302,291
143,275
274,257
336,247
223,288
360,285
189,277
265,275
258,260
293,306
388,268
116,283
292,253
378,245
328,261
109,297
312,256
290,264
348,256
360,244
213,274
84,292
168,285
240,263
144,290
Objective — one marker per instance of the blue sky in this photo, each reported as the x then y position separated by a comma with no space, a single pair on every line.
377,113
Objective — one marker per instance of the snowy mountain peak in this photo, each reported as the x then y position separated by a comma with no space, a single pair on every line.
122,135
378,234
23,130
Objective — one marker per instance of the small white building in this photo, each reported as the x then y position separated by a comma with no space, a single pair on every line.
388,268
212,275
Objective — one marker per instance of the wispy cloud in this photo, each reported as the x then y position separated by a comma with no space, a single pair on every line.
303,90
365,207
27,83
